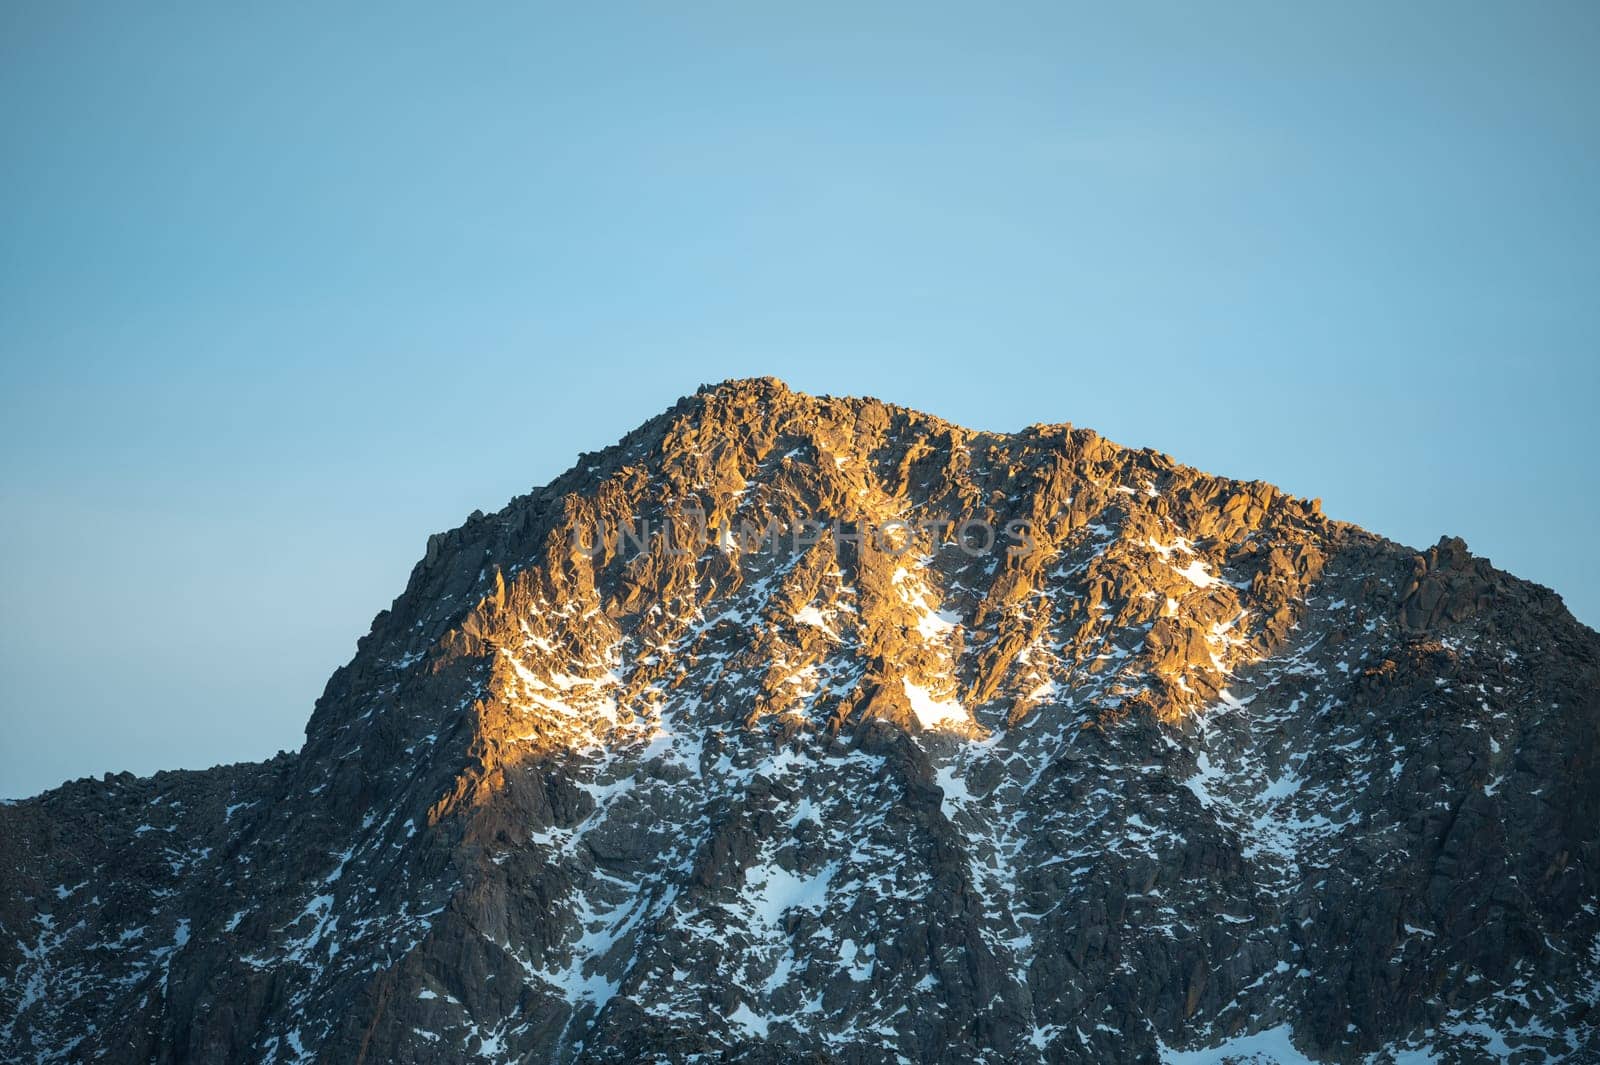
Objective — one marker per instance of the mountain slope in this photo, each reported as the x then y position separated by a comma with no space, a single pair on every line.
644,767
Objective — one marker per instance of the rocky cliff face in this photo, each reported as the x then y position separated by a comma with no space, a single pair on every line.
648,767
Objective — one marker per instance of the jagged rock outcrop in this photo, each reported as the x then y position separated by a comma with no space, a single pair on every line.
1043,749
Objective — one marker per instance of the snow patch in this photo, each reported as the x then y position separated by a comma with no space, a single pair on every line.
1271,1047
1197,574
933,713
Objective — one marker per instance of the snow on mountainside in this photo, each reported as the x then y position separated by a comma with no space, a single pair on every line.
739,742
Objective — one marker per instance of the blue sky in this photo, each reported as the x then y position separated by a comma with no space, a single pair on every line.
282,291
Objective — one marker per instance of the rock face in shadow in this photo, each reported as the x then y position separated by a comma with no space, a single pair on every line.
646,768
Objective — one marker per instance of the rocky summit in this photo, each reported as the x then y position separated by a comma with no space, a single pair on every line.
809,729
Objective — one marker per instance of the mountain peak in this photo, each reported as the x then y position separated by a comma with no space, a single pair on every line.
797,724
766,387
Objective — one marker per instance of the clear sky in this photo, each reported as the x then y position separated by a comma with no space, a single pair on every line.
285,289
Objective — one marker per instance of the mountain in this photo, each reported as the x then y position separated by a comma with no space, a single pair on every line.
799,728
